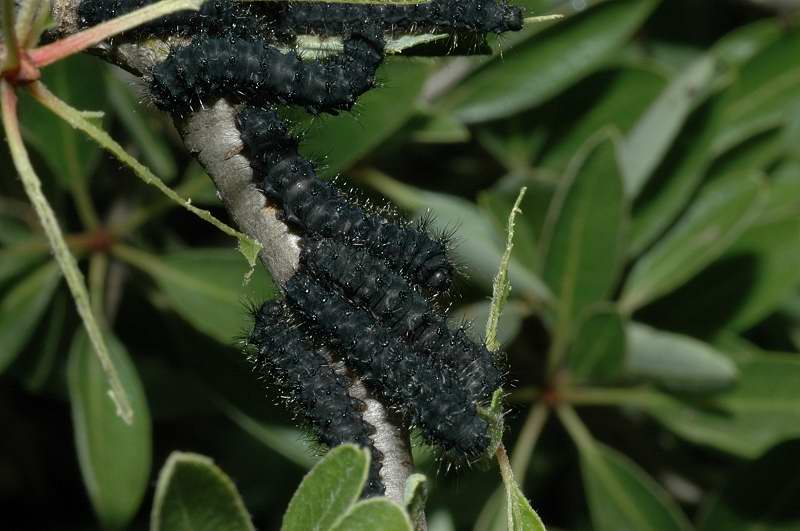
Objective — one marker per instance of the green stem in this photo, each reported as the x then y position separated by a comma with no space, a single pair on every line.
84,205
98,271
501,287
508,480
528,437
11,62
78,42
26,18
75,119
144,214
65,259
635,396
576,428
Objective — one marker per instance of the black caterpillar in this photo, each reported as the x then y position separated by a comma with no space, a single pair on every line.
316,207
480,16
284,357
435,16
252,70
214,17
430,396
369,283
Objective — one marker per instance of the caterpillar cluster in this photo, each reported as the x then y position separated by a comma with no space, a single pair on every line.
366,290
316,207
287,357
287,19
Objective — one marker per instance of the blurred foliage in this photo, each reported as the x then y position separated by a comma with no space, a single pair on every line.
654,303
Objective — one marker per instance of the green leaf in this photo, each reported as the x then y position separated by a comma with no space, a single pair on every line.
654,133
114,456
70,156
770,251
343,140
134,117
19,258
765,91
22,307
415,498
373,514
547,62
622,496
328,490
760,411
520,514
193,494
676,361
719,216
761,496
619,96
597,354
38,368
584,234
283,440
669,189
205,286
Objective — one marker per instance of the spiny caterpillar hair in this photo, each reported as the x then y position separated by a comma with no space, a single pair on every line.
435,16
214,17
430,397
318,208
284,356
369,283
252,70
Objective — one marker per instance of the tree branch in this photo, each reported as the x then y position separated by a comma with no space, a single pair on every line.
212,137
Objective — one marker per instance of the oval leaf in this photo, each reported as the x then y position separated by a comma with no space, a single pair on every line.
205,286
342,140
676,361
193,494
70,156
760,411
114,456
328,490
584,232
548,61
21,309
597,353
373,514
723,211
623,497
482,250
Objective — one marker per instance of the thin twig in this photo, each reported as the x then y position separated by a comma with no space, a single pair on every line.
67,263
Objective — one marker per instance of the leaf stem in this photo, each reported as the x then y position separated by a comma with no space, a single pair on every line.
84,206
98,270
78,42
576,428
620,396
508,480
501,288
75,119
528,437
65,259
11,60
